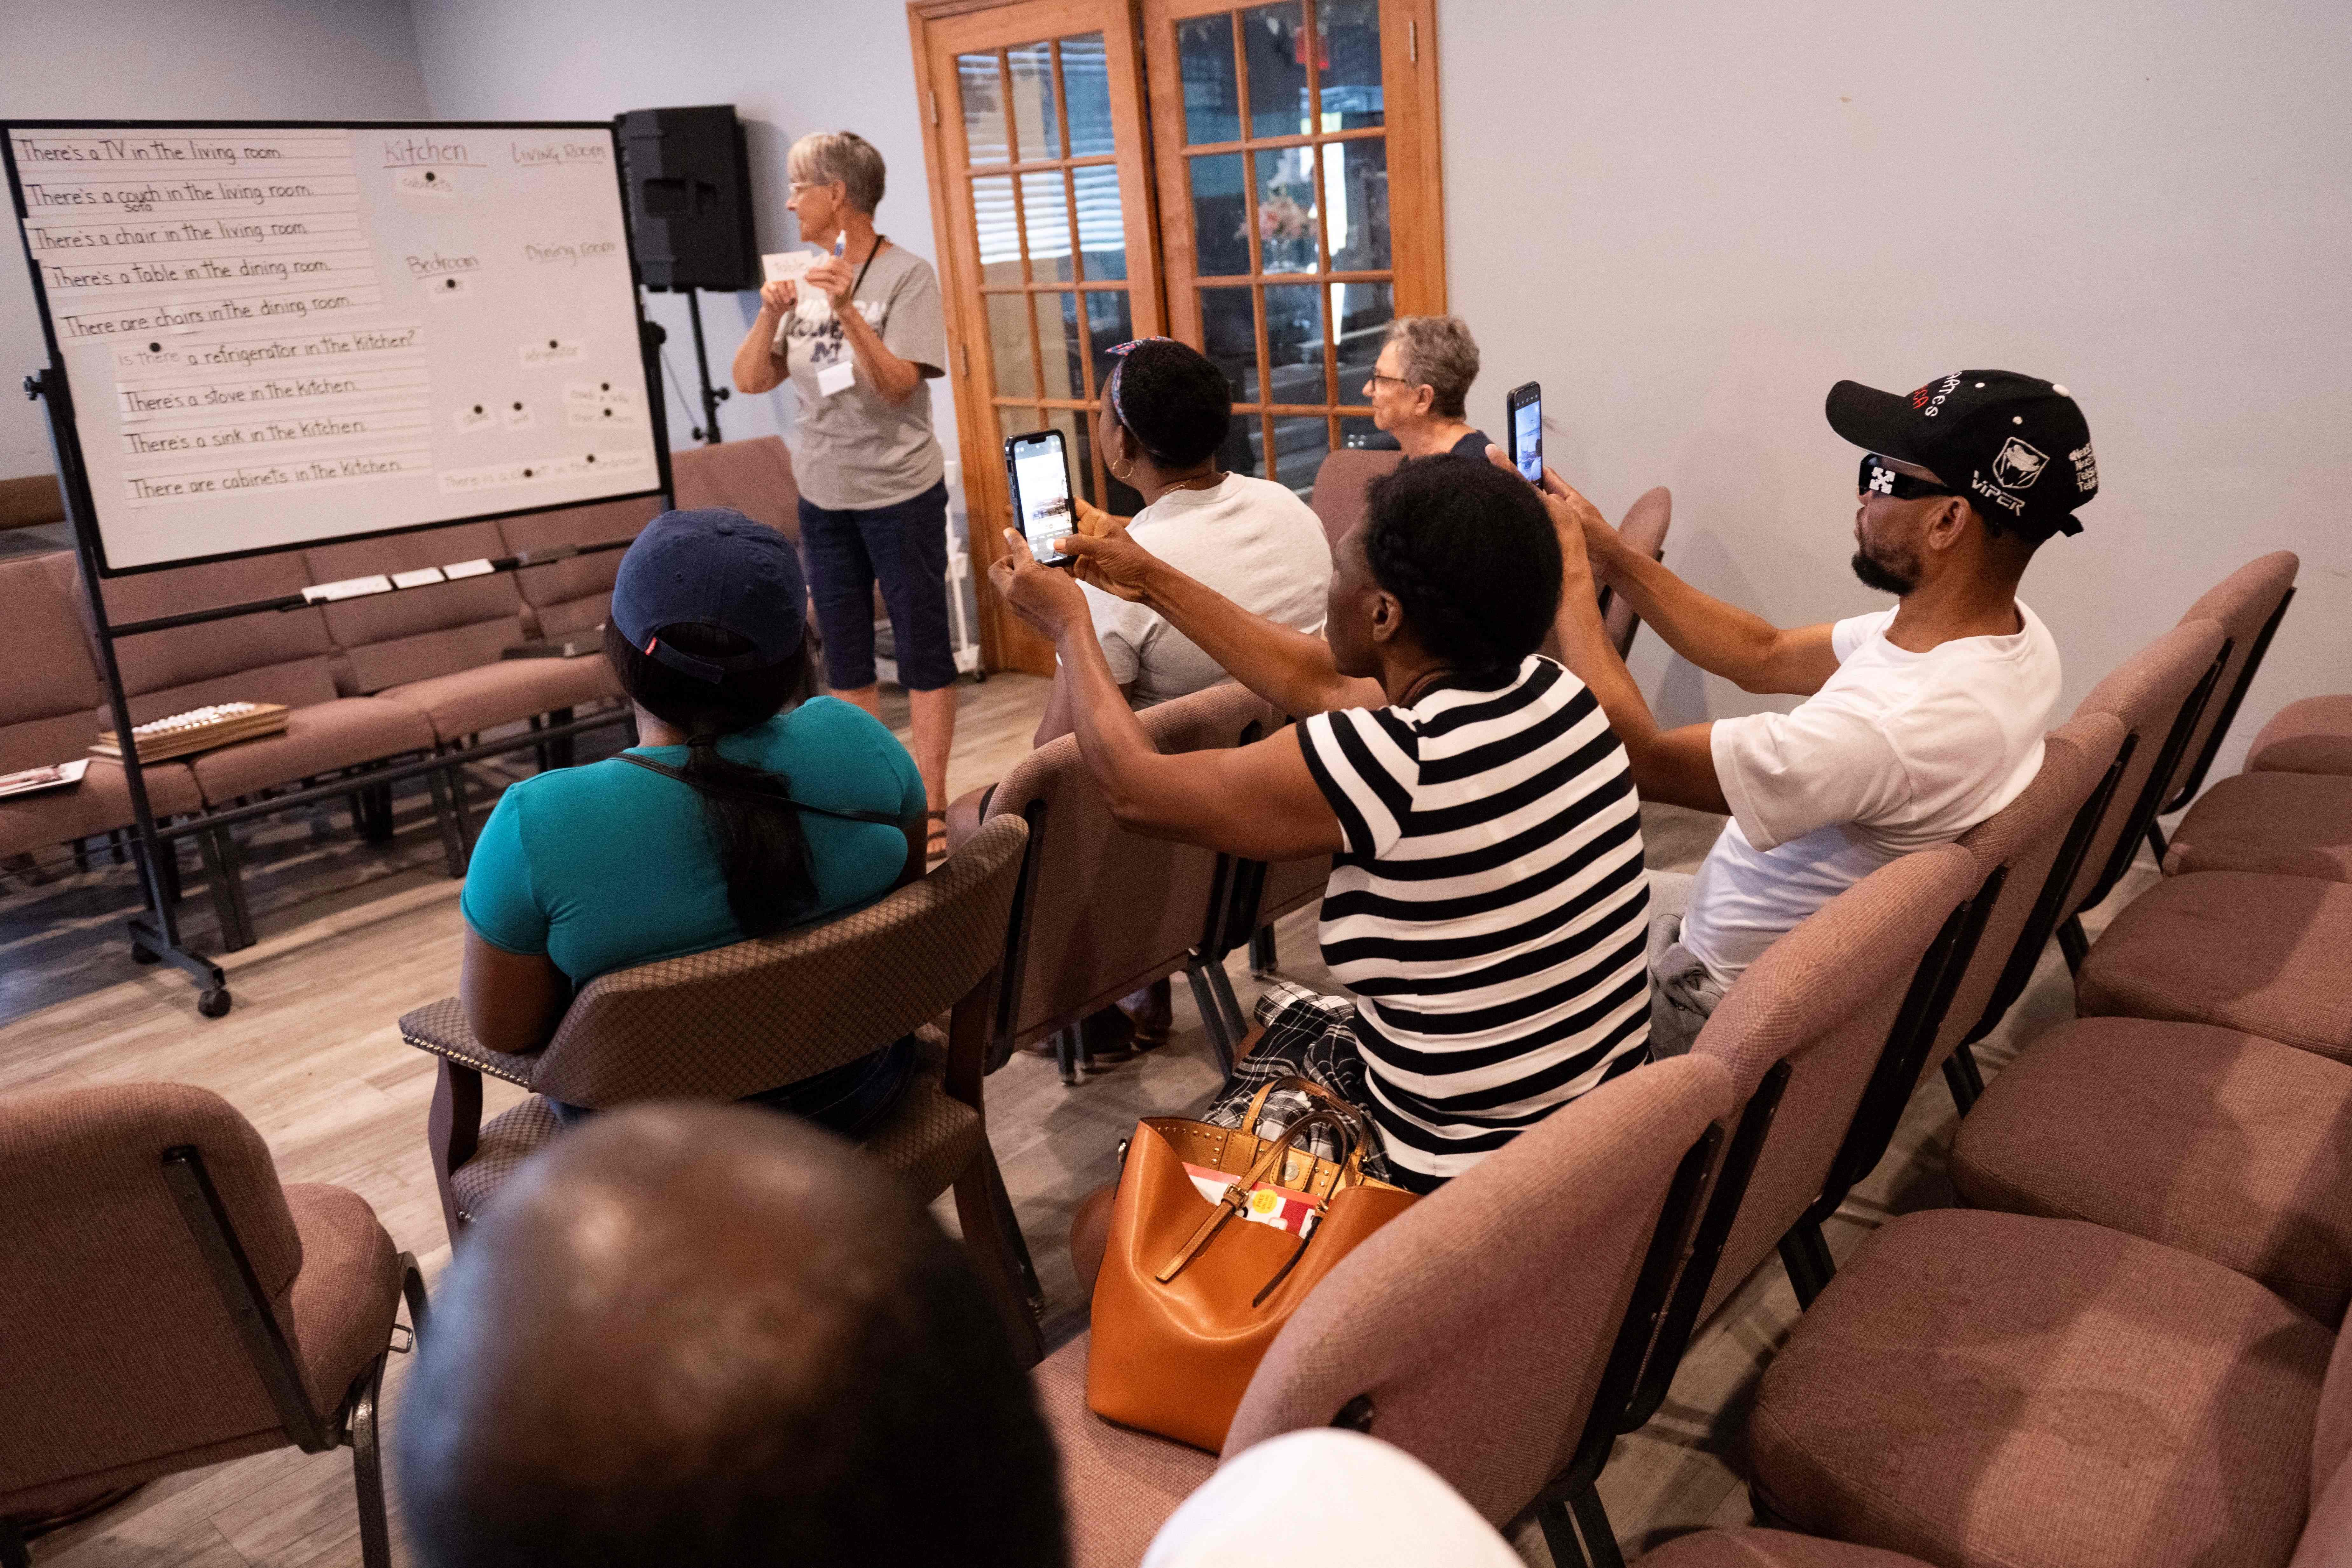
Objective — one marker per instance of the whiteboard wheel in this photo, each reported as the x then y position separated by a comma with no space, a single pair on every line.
215,1003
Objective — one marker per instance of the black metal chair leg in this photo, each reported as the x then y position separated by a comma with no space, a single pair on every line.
222,871
1963,1079
2074,943
12,1553
1236,1021
1805,1253
1066,1054
2156,842
1212,1013
1262,953
449,815
1592,1523
367,1471
1559,1535
559,750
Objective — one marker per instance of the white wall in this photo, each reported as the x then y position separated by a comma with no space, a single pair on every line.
200,59
1687,221
789,66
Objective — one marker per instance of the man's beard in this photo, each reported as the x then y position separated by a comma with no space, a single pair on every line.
1897,578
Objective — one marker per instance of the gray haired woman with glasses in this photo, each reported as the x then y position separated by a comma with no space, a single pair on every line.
1418,385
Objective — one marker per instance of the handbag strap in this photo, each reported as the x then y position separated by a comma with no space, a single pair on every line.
668,771
1305,1086
1271,1159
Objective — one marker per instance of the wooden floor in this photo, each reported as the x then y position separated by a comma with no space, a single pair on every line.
353,935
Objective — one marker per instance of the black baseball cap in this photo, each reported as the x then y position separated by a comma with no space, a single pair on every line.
2017,448
711,567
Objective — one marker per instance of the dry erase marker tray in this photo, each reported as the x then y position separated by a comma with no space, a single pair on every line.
197,729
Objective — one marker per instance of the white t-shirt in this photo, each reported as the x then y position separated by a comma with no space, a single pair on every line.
1249,538
1896,752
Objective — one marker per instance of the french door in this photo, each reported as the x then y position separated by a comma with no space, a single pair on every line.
1243,204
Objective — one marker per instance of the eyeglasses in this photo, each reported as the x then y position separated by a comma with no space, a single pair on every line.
1877,478
797,186
1376,376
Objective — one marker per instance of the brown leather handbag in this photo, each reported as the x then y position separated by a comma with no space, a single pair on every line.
1192,1293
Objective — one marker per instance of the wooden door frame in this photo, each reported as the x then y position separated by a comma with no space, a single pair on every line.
954,26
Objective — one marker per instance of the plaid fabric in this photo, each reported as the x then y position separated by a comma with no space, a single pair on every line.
1309,1036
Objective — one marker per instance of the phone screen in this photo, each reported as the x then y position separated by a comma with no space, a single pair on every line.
1041,491
1526,438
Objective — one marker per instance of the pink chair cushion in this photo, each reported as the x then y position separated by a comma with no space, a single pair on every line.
1993,1391
2285,824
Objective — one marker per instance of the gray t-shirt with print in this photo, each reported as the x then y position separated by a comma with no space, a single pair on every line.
853,451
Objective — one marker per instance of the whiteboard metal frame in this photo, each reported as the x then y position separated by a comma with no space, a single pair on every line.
647,348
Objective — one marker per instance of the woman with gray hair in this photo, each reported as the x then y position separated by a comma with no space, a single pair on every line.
1418,385
857,336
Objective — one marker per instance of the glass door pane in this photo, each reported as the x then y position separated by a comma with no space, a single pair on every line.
1036,136
1274,147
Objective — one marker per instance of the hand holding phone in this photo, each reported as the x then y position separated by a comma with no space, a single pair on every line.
1523,411
1037,465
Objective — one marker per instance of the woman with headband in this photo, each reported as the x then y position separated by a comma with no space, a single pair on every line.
1163,418
1164,414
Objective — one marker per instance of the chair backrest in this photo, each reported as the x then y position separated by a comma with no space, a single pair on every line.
754,477
1645,528
2035,842
1103,910
2248,603
390,639
120,1349
570,597
2331,1432
277,656
1825,1000
1342,484
1480,1323
773,1010
31,502
1264,892
48,704
2158,695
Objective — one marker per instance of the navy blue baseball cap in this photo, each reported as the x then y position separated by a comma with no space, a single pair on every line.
711,567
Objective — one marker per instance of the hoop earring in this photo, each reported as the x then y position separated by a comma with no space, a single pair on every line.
1124,475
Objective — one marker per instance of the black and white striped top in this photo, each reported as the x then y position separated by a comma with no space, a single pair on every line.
1489,911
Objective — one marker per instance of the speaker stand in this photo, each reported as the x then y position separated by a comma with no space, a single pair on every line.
712,396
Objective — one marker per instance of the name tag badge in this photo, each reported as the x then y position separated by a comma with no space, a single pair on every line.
836,378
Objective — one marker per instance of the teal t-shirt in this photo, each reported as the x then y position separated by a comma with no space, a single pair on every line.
609,865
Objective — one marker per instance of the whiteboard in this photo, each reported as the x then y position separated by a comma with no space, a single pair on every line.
279,334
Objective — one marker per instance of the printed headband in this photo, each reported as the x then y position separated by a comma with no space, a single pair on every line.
1119,352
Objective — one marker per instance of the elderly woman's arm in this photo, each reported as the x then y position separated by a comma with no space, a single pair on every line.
758,367
1257,800
895,378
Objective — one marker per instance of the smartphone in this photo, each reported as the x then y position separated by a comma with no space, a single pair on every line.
1039,468
1523,411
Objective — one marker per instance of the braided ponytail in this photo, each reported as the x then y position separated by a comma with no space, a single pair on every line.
755,829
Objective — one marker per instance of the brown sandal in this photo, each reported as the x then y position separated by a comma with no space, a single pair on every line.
936,850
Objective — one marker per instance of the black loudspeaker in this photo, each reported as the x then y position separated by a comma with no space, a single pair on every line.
690,197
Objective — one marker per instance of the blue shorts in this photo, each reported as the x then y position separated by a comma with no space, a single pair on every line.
903,546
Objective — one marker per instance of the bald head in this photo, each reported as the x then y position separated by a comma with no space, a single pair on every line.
715,1335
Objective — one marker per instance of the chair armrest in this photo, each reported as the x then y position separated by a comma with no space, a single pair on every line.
441,1028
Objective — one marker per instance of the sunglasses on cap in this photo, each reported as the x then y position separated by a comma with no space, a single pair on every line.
1877,478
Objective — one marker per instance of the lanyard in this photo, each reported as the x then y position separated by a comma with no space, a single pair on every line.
880,241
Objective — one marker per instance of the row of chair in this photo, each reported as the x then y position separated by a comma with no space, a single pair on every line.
2127,1349
1509,1327
370,681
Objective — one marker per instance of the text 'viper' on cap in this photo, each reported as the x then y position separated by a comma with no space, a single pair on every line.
2016,447
711,567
